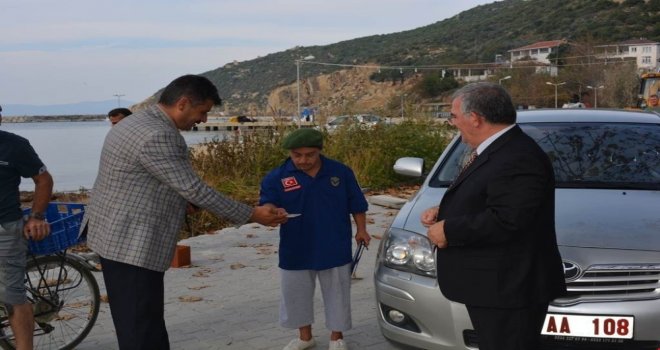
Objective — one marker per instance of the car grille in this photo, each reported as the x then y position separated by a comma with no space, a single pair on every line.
602,283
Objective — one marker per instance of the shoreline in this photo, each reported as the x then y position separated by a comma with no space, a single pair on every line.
54,118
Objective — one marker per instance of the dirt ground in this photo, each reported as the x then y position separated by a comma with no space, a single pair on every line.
82,197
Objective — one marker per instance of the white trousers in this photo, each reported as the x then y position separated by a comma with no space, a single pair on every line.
297,303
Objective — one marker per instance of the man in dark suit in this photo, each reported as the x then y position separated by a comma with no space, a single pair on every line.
494,228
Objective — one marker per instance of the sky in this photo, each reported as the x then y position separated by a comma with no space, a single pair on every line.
69,51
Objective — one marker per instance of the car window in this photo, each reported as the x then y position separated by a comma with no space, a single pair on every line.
448,171
598,155
338,121
601,154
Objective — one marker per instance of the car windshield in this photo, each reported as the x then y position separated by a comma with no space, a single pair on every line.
370,119
586,155
339,120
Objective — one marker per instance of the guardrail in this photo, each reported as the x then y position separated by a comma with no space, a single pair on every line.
233,126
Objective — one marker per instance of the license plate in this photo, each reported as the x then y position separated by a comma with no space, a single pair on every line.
591,326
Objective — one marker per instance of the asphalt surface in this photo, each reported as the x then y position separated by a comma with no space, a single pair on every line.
229,297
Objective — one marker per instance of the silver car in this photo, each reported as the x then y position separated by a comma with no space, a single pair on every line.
361,120
607,169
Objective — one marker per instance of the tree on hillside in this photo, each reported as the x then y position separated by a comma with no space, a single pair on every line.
394,75
621,86
582,69
653,5
432,85
528,88
558,57
633,2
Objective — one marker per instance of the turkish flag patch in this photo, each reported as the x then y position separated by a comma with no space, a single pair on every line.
290,184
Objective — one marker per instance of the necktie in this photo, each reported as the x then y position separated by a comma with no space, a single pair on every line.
470,160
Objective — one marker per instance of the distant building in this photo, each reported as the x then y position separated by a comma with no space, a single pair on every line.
538,51
645,52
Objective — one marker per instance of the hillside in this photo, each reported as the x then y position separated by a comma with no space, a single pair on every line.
267,84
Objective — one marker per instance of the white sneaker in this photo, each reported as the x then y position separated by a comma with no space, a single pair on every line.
299,344
338,344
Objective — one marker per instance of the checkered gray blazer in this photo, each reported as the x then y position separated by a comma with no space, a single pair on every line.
145,180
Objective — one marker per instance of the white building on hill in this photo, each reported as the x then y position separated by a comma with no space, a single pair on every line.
645,52
538,51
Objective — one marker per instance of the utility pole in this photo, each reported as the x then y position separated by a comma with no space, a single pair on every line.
595,88
298,63
555,85
118,99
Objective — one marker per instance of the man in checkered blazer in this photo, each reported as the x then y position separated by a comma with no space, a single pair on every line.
138,205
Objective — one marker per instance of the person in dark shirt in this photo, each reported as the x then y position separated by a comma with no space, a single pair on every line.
18,159
118,114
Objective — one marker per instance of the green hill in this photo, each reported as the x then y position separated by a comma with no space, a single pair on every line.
473,36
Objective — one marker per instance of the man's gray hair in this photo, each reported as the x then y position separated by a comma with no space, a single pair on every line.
489,100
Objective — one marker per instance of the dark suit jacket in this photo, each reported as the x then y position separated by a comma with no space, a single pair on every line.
499,223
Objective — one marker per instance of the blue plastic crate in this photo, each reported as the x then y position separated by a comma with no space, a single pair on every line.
64,220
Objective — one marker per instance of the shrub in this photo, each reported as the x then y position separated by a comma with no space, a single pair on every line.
236,167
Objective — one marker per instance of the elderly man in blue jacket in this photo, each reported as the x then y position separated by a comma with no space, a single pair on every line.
317,243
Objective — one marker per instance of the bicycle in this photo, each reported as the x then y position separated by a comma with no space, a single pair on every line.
60,285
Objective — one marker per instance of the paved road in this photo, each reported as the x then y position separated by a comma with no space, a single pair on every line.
229,297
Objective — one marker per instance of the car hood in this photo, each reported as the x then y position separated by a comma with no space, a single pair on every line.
594,218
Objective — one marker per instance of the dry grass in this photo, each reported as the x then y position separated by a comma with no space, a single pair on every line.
236,168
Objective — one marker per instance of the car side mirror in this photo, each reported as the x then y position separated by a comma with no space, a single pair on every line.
409,166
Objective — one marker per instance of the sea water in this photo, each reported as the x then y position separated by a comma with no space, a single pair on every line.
71,150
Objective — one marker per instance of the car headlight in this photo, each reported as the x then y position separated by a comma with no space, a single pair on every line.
408,251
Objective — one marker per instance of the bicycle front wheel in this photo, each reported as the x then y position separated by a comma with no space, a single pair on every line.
65,298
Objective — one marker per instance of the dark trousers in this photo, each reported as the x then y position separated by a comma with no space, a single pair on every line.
508,329
136,297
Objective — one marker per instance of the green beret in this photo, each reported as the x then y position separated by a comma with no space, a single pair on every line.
305,137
